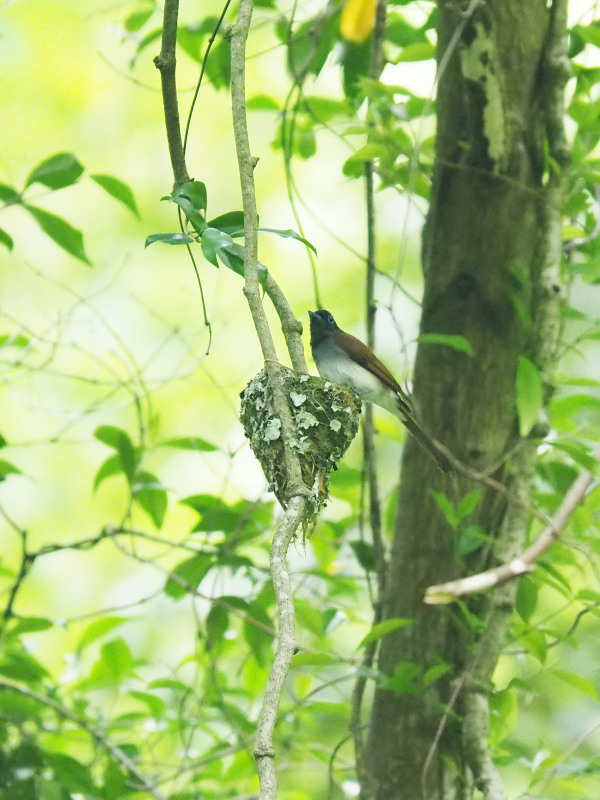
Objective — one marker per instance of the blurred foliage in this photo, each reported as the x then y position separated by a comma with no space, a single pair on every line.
138,624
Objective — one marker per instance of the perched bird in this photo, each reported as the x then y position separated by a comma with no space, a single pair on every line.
342,358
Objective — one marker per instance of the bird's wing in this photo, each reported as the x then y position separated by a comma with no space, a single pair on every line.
361,353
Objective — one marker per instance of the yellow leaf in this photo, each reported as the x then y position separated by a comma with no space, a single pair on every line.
358,19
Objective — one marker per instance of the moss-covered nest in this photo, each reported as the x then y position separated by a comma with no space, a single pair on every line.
325,419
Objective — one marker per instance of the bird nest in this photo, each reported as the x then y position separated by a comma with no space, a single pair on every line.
325,417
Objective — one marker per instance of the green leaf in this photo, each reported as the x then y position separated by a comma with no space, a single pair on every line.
310,44
218,66
535,642
232,223
14,340
527,595
137,19
529,394
471,539
117,189
150,494
259,639
218,245
589,33
60,231
400,32
356,62
217,622
114,665
565,410
6,468
9,194
504,708
70,774
577,681
216,515
168,683
364,554
460,343
192,570
119,440
112,466
289,234
169,238
417,51
23,667
383,628
354,166
447,508
6,239
468,503
31,625
56,172
155,704
262,102
404,679
95,630
194,191
190,443
211,242
313,660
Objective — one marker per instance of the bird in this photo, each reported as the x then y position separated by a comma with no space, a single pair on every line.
342,358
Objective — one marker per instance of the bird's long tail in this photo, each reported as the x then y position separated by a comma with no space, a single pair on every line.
427,443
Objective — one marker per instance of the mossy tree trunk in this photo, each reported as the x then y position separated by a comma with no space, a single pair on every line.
491,250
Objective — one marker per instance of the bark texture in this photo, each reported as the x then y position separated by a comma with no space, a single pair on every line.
484,248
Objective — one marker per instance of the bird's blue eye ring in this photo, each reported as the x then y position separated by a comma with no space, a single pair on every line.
330,319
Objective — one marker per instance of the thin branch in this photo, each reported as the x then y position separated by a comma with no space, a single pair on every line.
566,755
115,751
291,327
211,41
446,592
368,427
286,647
26,564
165,63
296,502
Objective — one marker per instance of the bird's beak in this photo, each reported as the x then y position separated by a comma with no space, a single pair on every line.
312,314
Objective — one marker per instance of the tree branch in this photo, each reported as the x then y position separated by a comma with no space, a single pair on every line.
165,63
446,592
296,502
291,327
116,752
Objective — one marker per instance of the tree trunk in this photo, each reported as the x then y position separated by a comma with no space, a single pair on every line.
489,248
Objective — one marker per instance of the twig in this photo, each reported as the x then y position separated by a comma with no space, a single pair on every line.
446,592
26,564
291,327
115,751
571,750
286,647
165,63
296,502
368,428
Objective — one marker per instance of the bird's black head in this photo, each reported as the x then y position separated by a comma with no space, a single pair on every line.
322,325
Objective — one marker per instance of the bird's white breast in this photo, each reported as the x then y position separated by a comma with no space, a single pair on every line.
336,366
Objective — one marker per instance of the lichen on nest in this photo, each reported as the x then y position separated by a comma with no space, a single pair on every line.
325,418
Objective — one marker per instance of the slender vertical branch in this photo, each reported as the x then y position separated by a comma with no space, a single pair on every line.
291,327
296,504
368,428
165,62
26,563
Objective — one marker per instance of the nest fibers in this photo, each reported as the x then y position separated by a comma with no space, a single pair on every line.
325,419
